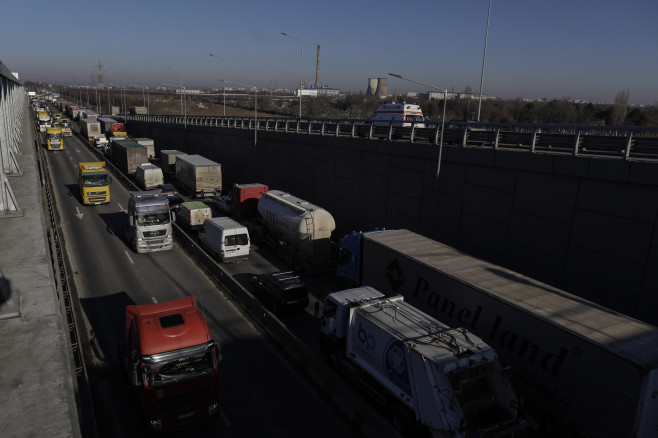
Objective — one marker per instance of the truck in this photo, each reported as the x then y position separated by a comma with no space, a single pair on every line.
199,176
424,372
562,349
65,124
243,200
90,129
149,144
109,125
54,139
168,161
193,214
43,121
149,222
93,183
148,176
87,113
138,110
73,111
299,232
171,362
127,154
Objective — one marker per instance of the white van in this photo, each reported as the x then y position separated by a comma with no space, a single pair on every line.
193,214
398,114
148,176
227,239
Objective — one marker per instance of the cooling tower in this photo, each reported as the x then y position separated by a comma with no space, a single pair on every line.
382,87
372,87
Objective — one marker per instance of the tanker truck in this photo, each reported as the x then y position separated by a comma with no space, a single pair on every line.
299,231
423,372
591,368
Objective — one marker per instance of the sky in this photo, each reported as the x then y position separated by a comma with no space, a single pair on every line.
578,49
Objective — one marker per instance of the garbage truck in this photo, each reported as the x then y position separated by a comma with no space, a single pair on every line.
425,374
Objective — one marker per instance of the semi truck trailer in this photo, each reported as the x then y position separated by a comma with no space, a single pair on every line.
90,129
424,372
172,363
199,176
590,367
168,161
127,154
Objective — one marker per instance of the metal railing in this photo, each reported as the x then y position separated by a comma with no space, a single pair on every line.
623,142
12,109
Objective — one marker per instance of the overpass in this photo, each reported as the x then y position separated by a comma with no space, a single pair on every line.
572,206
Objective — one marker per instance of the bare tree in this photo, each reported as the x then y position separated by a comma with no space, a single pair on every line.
621,107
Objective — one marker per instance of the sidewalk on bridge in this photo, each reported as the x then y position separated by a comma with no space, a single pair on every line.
37,381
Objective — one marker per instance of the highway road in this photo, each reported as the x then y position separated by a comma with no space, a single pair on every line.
261,393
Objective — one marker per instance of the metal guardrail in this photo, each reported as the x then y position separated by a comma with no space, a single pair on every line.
623,142
13,105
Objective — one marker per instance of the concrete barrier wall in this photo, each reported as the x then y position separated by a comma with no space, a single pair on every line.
584,224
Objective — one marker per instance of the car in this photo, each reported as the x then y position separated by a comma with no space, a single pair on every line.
284,291
174,202
223,204
167,189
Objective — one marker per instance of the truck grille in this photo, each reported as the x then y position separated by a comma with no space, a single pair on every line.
156,233
97,193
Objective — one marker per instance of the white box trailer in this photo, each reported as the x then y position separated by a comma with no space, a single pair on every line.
148,176
168,161
200,176
149,144
589,366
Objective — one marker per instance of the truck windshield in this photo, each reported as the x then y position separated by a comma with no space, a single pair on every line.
152,217
94,180
54,136
179,366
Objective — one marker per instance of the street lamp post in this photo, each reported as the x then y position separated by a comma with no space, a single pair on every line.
301,68
255,117
443,119
223,76
183,98
484,56
148,100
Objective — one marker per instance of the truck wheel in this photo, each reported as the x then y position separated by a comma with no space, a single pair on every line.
401,419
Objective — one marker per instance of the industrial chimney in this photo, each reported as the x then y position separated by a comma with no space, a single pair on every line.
317,70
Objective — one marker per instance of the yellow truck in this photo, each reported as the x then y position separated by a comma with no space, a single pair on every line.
65,124
54,139
94,183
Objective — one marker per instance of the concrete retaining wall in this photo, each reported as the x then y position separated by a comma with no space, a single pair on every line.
584,224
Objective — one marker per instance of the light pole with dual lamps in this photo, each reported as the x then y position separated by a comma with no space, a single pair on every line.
443,119
301,68
148,100
223,76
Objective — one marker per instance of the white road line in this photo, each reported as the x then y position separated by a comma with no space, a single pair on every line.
121,208
154,300
129,258
224,417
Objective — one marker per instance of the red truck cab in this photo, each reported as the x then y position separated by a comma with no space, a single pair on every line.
172,363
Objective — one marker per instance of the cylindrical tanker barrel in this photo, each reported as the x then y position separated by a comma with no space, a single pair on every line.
299,223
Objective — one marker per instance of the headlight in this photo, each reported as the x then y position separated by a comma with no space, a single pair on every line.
213,408
155,424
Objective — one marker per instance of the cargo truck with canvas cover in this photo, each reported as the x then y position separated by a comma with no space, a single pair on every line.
93,183
127,154
424,372
583,364
171,362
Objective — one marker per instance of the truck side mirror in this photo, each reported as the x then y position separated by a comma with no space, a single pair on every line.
134,374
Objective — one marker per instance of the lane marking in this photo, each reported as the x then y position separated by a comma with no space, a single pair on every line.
154,300
129,258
